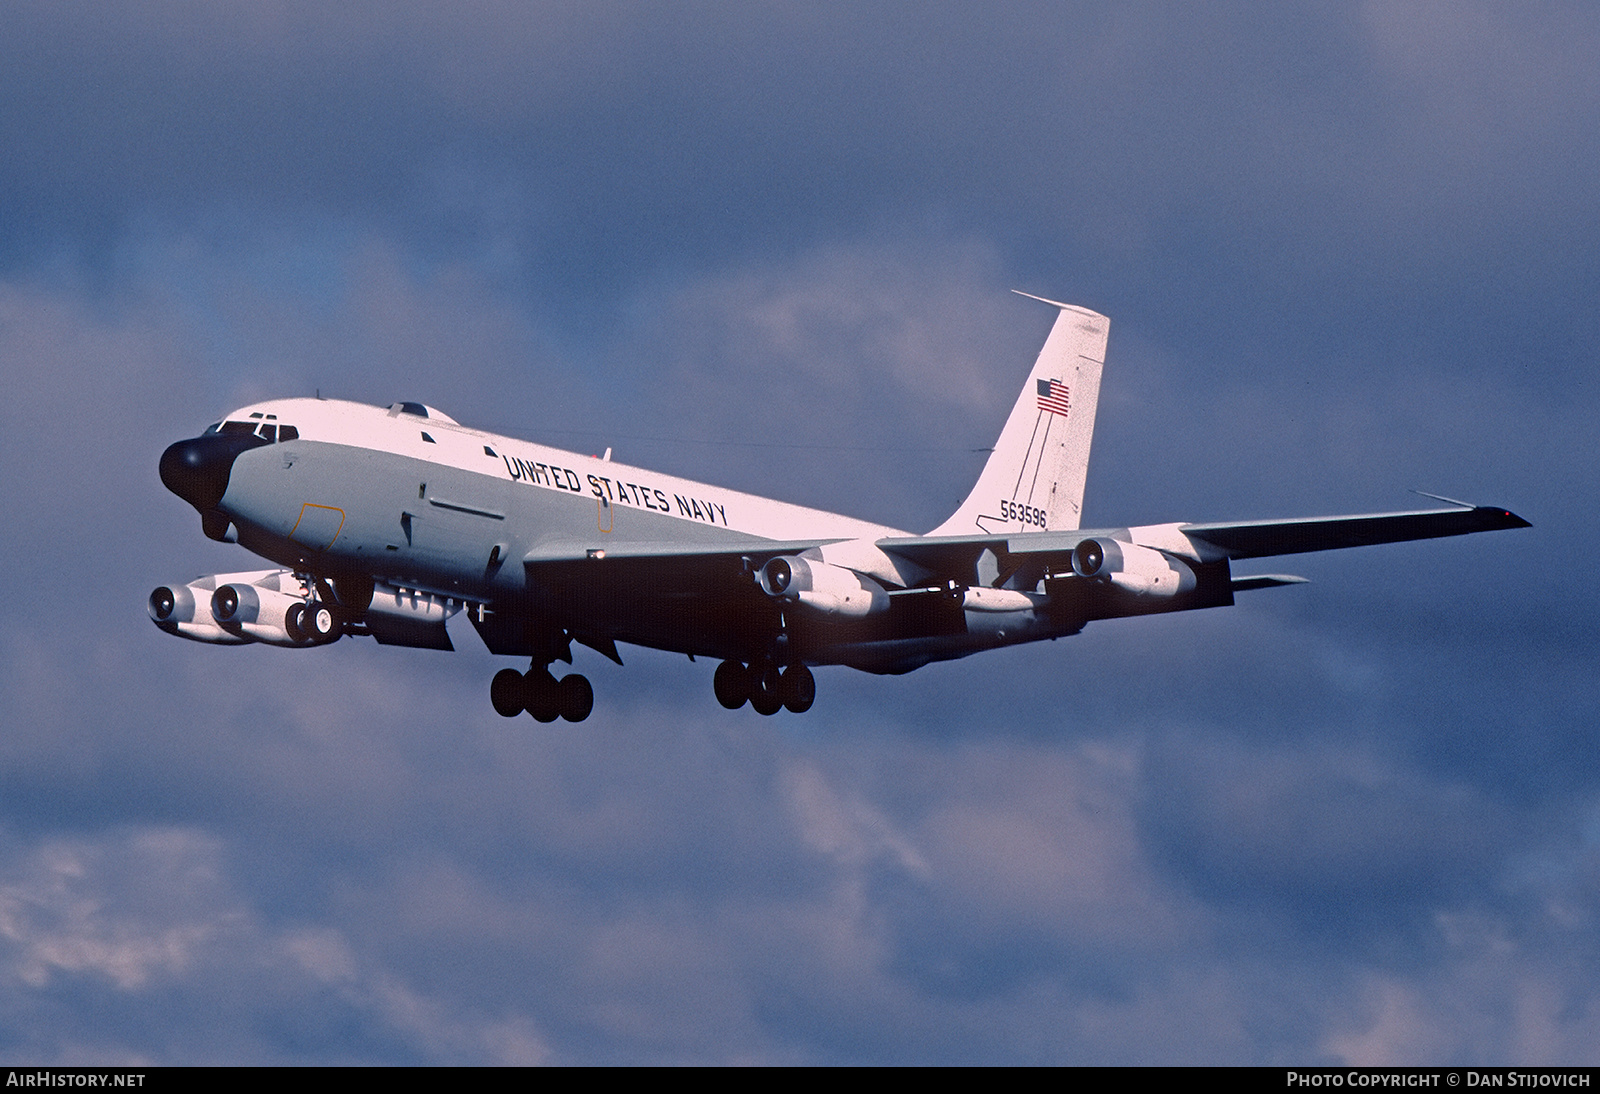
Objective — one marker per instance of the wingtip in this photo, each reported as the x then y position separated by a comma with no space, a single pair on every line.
1502,518
1493,516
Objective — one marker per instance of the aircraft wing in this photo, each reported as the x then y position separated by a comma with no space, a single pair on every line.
1261,538
695,564
703,598
684,576
1213,542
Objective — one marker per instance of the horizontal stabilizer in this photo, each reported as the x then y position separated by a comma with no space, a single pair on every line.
1265,581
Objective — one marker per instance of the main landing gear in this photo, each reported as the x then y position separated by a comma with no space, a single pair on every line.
765,686
541,695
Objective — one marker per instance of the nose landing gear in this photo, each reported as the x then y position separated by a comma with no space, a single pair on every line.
314,623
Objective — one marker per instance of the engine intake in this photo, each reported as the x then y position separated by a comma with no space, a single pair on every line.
172,605
1142,571
821,587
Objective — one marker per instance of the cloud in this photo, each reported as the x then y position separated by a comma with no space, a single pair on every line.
108,940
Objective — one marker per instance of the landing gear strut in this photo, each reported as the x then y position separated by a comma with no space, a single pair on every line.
541,695
765,687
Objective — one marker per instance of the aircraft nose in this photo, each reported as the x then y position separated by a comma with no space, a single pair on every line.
197,469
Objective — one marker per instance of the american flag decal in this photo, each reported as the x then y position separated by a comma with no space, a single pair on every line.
1053,397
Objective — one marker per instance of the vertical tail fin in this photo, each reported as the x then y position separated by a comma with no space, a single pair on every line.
1033,481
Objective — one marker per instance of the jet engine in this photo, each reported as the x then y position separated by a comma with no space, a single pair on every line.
260,614
188,611
824,588
1142,571
177,610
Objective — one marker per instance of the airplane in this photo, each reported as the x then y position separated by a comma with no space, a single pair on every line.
390,521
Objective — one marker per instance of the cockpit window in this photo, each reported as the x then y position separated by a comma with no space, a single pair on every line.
414,408
266,430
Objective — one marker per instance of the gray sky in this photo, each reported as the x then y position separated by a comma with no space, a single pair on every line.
1347,251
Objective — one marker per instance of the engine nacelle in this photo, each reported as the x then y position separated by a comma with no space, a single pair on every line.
826,589
1142,571
257,613
177,610
185,610
172,604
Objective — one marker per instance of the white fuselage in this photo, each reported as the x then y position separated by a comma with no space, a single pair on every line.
504,525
